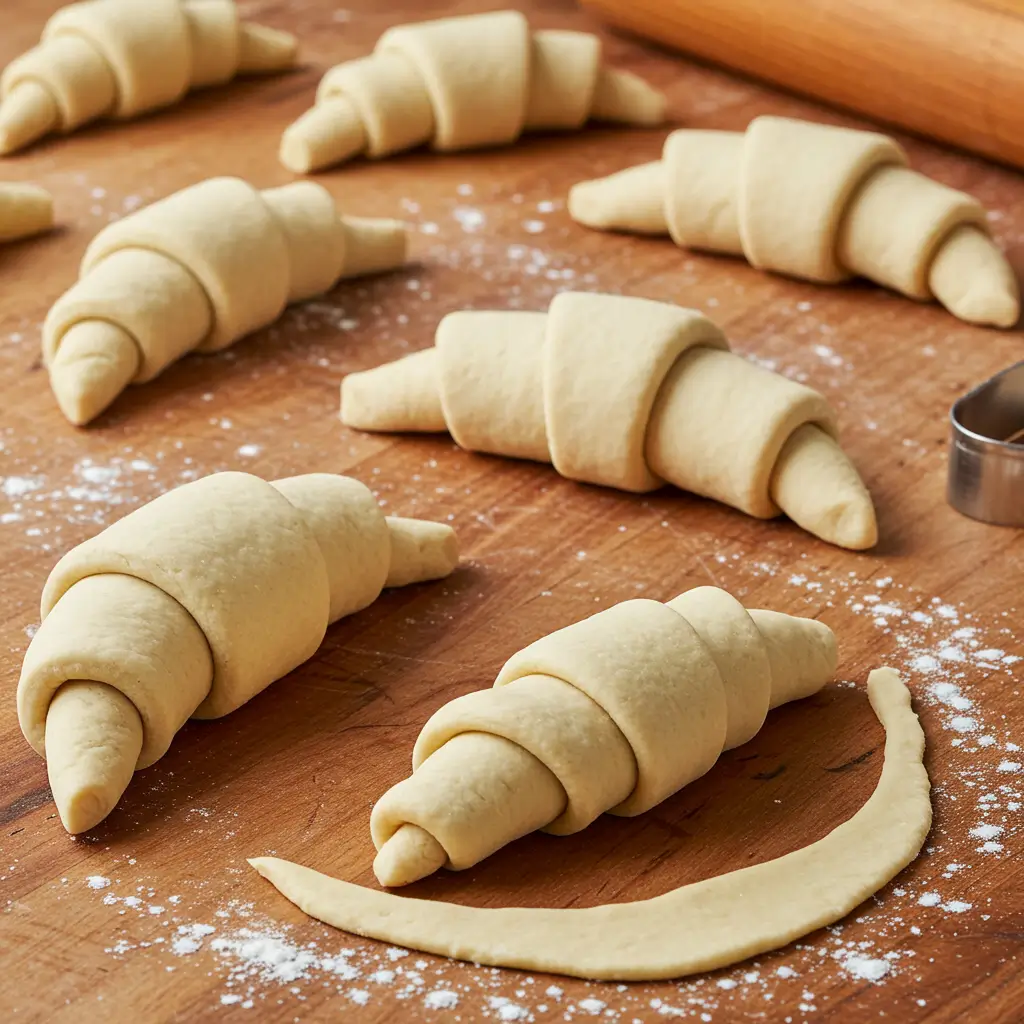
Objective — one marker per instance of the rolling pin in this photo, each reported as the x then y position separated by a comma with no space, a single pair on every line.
949,69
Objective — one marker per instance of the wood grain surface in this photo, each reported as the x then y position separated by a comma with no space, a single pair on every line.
155,916
948,69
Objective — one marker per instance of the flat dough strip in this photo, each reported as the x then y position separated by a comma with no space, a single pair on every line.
698,927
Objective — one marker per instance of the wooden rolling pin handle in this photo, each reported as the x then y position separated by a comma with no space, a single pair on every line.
949,69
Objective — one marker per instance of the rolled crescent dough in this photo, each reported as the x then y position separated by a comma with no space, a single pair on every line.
816,202
461,83
122,58
697,927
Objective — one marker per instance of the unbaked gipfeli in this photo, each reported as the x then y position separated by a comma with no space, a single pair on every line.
122,58
24,210
623,707
816,202
627,393
189,607
613,714
462,83
197,271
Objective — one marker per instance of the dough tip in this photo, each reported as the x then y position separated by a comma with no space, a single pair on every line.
629,200
988,302
95,361
395,397
625,98
26,210
27,113
819,488
262,50
420,550
83,808
409,855
329,133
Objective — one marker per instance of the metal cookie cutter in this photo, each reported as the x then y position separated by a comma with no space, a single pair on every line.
986,459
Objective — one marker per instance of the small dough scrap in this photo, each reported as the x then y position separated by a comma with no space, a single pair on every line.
24,210
193,604
123,58
197,271
627,393
698,927
816,202
462,83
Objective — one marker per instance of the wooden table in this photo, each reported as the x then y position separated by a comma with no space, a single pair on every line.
155,916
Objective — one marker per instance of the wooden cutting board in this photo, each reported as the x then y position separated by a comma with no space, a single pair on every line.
155,916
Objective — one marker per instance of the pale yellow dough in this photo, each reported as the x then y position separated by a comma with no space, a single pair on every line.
460,83
627,393
122,58
816,202
698,927
615,713
24,210
196,272
193,604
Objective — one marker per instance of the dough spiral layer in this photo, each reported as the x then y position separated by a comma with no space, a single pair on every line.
462,83
195,272
614,713
816,202
189,607
122,58
627,393
699,927
24,210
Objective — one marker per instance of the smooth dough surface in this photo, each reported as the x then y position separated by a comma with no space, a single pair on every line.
197,271
630,393
613,713
816,202
122,58
190,606
24,210
698,927
461,83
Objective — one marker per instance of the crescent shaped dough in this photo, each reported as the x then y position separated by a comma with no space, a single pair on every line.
189,607
195,272
461,83
24,210
123,58
698,927
627,393
816,202
614,713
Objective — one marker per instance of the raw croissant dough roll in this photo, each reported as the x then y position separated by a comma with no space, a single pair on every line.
627,393
122,58
615,713
461,83
24,210
698,927
190,606
197,271
816,202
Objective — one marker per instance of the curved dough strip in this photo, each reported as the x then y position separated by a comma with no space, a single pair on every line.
698,927
461,83
816,202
